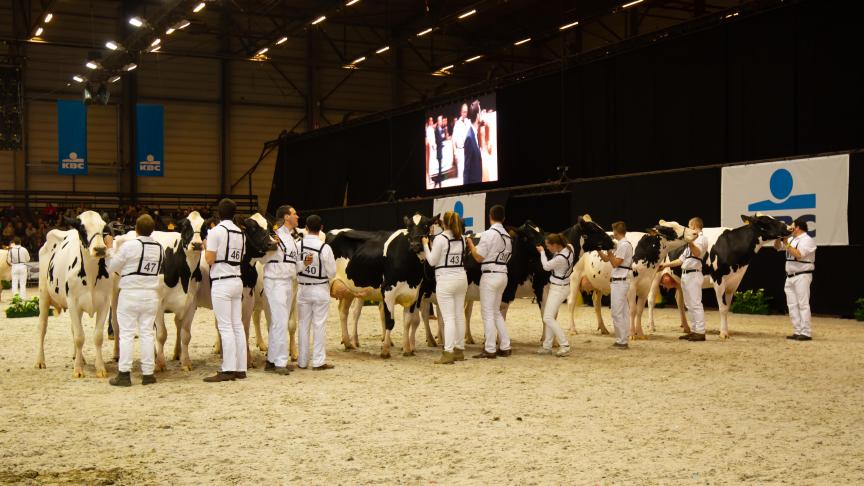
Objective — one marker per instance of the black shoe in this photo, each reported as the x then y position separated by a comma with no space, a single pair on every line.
802,337
148,380
695,336
221,376
620,346
122,379
240,375
270,366
282,371
504,352
793,337
485,355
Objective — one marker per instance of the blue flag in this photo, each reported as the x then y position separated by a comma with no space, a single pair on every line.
71,137
150,140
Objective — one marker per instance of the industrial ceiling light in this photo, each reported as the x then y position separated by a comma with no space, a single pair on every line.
112,45
358,60
137,22
472,59
182,24
199,7
170,31
634,2
114,79
445,68
155,49
319,20
382,50
156,42
421,34
523,41
77,79
282,41
48,17
567,26
130,67
92,65
468,14
38,32
262,51
352,2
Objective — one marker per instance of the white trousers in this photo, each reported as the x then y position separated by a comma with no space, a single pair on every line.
19,280
798,299
227,300
450,292
279,298
491,290
136,312
313,303
554,298
691,286
620,311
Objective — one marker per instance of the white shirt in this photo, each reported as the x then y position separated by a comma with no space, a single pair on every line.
218,240
624,251
807,246
446,255
460,132
323,266
283,264
561,265
138,262
17,255
496,247
690,262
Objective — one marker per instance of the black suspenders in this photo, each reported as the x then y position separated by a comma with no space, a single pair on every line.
456,264
226,259
316,274
147,270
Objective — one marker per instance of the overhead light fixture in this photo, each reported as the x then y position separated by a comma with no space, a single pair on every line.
114,79
38,32
77,79
352,2
468,14
729,16
182,25
571,24
421,34
48,17
282,41
130,67
523,41
155,49
156,42
112,45
137,22
262,51
170,31
472,59
634,2
358,60
92,65
319,20
446,68
199,7
382,50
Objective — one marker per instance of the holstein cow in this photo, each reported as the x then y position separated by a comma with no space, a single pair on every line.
258,243
385,266
650,249
73,276
179,281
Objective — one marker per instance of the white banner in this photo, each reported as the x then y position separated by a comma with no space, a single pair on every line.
471,207
790,189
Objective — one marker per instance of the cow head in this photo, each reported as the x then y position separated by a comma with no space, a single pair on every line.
258,240
672,231
192,231
528,236
418,226
767,227
91,228
591,235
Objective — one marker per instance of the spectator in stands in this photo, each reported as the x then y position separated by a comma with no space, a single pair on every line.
8,233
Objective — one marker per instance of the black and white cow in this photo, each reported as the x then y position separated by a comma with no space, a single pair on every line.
73,275
5,269
383,266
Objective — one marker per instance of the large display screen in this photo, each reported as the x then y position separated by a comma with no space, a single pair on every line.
461,142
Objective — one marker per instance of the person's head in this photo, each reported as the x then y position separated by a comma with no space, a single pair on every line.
444,120
439,120
313,224
144,225
16,241
227,208
556,242
473,111
288,216
496,213
619,229
799,226
430,122
463,112
667,282
451,222
696,224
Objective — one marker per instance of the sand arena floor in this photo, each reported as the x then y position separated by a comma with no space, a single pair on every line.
757,409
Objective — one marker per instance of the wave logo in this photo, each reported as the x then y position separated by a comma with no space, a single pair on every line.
781,185
459,209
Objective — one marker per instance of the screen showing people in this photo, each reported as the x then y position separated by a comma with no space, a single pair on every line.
462,143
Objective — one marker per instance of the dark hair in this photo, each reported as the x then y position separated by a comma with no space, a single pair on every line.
800,222
313,223
496,213
557,239
697,221
16,240
282,211
226,208
619,227
473,110
144,225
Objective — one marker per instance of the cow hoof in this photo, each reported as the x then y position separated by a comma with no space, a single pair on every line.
385,355
724,336
431,343
40,365
262,348
604,331
110,337
186,367
116,359
78,374
349,347
101,374
408,353
469,339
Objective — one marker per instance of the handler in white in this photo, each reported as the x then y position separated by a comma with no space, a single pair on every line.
16,258
560,266
691,280
138,262
451,284
800,265
279,275
317,269
622,263
493,252
226,247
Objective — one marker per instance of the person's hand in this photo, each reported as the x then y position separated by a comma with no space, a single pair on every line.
425,240
470,243
778,244
109,241
308,259
539,249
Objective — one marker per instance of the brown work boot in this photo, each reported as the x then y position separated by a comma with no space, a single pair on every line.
148,379
485,355
693,336
240,375
284,371
325,366
221,376
122,379
446,358
458,354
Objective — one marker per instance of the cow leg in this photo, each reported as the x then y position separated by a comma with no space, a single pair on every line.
356,309
440,324
217,346
652,295
161,337
98,336
597,299
344,308
469,307
572,300
424,315
43,326
78,340
385,332
246,315
724,305
636,305
679,301
388,322
184,329
292,326
407,348
256,322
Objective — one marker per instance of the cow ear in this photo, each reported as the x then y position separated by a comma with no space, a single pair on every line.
587,218
746,219
73,222
436,219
